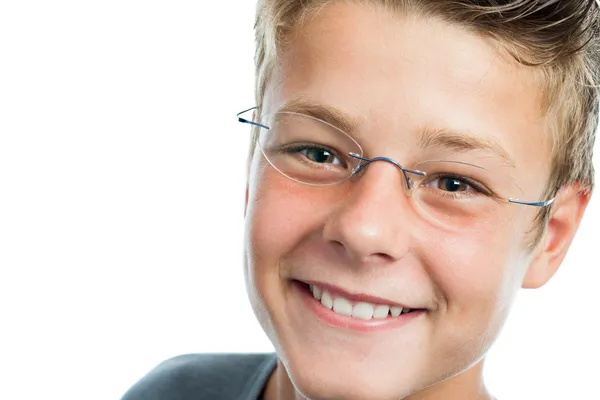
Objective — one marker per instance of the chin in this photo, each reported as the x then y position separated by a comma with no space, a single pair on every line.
320,377
339,386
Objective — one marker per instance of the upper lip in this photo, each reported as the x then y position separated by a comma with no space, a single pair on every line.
357,296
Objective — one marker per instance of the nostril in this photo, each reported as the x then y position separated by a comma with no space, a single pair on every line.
337,245
378,258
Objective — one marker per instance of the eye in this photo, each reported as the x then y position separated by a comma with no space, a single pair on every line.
450,184
320,155
454,184
455,180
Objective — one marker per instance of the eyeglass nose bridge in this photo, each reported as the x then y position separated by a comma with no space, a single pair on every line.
368,161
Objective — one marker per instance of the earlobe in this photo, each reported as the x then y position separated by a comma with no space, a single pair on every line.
566,214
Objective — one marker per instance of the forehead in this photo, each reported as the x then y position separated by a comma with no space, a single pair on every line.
401,75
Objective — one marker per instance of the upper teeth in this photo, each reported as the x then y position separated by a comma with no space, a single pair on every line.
362,310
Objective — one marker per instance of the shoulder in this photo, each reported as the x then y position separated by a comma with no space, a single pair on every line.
205,376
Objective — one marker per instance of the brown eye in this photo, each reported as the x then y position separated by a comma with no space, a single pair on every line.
452,185
320,156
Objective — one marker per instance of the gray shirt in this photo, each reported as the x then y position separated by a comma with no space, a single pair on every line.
206,376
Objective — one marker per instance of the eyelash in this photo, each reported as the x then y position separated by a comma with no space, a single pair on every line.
297,148
478,187
475,185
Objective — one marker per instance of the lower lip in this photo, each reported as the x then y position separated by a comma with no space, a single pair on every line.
342,321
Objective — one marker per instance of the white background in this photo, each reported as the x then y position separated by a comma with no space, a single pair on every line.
122,174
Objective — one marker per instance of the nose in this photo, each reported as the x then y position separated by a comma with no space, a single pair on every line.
372,225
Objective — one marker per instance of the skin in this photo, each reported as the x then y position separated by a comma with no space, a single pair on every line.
396,76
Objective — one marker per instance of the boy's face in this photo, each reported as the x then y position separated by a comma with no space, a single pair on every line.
395,78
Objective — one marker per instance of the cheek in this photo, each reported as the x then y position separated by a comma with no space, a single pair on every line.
470,265
476,272
282,213
477,276
479,264
279,214
473,275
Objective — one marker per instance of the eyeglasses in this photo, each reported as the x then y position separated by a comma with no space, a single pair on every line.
468,189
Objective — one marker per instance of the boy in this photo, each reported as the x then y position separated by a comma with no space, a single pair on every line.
414,164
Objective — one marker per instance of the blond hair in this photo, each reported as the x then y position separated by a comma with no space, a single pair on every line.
560,38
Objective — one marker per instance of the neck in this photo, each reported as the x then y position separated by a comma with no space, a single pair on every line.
466,385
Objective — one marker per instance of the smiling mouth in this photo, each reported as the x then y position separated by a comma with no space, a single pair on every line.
361,310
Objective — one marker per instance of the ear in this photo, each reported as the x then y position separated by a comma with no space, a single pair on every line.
567,211
246,201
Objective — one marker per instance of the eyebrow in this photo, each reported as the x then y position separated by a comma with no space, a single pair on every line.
329,114
437,138
463,142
